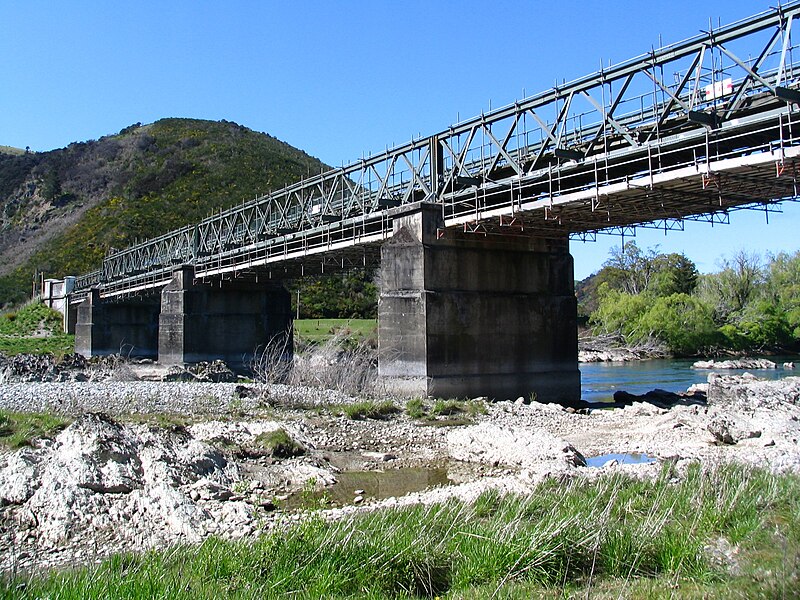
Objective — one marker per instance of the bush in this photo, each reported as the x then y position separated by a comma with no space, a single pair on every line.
341,363
415,408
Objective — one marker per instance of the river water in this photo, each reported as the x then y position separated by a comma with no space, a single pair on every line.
599,381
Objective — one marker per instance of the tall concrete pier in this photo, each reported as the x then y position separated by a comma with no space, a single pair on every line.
230,320
465,315
189,322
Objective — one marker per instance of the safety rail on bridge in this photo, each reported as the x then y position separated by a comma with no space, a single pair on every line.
696,128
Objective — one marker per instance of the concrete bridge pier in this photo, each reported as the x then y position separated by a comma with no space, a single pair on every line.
229,320
468,315
128,327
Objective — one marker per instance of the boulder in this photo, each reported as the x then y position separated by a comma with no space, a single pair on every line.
512,446
741,363
746,392
660,398
19,476
728,431
96,453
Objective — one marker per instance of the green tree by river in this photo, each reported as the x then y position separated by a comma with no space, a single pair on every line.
648,298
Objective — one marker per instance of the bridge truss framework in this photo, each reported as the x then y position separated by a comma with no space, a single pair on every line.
693,130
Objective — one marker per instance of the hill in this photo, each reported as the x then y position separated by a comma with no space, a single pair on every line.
11,150
63,210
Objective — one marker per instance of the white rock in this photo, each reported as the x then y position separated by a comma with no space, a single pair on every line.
491,444
19,476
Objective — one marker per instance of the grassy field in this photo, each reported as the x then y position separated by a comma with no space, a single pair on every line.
15,329
730,532
56,345
321,330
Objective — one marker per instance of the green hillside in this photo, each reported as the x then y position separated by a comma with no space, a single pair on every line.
63,210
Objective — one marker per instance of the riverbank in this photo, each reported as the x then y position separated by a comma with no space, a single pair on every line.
177,462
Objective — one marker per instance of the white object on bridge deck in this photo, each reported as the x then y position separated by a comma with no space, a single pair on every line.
719,89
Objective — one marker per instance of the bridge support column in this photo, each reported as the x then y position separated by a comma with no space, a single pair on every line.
230,320
128,327
468,315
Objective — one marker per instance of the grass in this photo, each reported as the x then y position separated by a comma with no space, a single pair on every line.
321,330
11,150
370,409
22,429
278,443
607,538
445,413
17,329
56,345
415,408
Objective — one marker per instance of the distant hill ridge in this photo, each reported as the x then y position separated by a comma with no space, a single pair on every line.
63,210
11,150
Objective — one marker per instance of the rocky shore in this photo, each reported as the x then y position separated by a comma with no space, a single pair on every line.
149,463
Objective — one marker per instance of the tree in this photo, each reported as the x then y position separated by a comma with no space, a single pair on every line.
51,185
682,322
675,274
629,269
782,288
619,313
349,295
738,283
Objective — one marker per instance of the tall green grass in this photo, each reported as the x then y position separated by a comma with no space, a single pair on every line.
612,537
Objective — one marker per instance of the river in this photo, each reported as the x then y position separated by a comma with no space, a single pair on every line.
600,380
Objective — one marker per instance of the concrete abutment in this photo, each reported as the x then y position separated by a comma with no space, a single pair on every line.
467,315
128,327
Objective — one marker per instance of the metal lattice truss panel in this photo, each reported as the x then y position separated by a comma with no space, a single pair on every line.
696,128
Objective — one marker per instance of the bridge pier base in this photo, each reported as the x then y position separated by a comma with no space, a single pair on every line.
231,320
468,315
127,327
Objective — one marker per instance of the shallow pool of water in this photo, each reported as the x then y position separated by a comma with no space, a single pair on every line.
625,458
375,484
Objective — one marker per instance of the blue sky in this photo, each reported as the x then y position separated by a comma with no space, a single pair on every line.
338,79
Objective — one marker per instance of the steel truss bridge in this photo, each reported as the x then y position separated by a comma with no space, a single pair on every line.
693,130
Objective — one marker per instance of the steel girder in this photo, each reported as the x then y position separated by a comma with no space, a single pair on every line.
725,93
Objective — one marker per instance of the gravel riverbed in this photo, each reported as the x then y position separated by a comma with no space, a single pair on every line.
149,463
